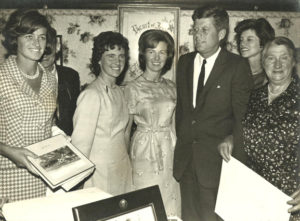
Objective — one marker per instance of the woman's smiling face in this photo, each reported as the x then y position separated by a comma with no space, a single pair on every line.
156,57
112,62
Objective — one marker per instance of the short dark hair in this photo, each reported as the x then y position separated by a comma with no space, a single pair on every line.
150,39
21,22
51,42
263,30
219,15
280,40
103,42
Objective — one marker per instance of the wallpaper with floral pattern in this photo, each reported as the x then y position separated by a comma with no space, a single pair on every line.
78,27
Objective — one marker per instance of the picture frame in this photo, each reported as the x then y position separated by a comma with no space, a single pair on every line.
133,206
135,19
59,50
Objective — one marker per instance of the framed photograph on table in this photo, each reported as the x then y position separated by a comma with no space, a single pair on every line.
135,19
139,205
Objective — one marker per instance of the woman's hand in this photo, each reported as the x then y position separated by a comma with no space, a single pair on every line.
19,156
295,202
225,148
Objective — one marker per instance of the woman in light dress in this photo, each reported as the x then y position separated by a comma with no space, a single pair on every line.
151,102
101,117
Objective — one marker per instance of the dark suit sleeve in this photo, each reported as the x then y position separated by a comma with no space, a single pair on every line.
178,112
76,89
242,85
68,92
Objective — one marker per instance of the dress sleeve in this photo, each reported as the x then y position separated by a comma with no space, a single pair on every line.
85,120
130,97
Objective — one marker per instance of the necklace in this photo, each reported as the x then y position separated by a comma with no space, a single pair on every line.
257,71
272,95
31,77
153,81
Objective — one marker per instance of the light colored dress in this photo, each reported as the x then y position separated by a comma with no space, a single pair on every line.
152,105
99,122
25,118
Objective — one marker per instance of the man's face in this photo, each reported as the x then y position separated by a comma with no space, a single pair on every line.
48,60
206,36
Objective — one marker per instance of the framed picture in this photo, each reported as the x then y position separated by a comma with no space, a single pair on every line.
143,204
135,19
59,51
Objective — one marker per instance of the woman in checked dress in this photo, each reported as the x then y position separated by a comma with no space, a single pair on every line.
27,104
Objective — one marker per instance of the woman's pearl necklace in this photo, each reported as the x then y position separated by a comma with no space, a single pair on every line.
272,95
31,77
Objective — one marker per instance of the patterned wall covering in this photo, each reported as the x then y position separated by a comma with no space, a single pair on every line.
78,27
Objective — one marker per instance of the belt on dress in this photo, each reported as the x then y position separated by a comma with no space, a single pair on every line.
156,156
153,129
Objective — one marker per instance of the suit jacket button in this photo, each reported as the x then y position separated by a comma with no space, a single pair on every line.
193,121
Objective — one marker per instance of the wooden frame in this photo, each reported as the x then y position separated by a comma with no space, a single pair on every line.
135,19
59,50
143,203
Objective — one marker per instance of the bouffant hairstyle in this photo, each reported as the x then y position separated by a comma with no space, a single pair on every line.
220,15
21,22
263,30
104,42
150,39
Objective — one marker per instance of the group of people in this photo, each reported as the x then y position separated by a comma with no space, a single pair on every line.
222,104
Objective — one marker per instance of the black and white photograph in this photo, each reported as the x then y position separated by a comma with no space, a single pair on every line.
57,158
174,93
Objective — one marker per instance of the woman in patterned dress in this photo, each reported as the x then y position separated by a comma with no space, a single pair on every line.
27,104
151,102
272,123
101,117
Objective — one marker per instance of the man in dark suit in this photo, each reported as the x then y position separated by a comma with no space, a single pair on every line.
68,86
213,87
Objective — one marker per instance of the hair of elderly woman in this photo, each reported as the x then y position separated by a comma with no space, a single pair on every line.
21,22
150,39
263,30
280,40
104,42
220,16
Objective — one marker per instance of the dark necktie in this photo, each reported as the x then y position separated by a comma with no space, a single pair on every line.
201,80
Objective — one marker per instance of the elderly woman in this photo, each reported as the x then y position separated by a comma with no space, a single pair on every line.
151,102
251,37
27,103
272,123
101,117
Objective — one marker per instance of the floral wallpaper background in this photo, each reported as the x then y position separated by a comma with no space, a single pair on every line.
78,27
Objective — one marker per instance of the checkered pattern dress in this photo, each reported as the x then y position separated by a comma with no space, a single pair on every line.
25,118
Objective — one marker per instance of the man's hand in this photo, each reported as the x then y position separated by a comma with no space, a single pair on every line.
225,148
295,202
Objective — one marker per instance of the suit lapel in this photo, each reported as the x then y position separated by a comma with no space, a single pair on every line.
214,75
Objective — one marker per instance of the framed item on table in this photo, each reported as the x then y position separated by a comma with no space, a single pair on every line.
143,204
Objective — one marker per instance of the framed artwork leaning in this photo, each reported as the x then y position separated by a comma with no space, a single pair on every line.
140,205
135,19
